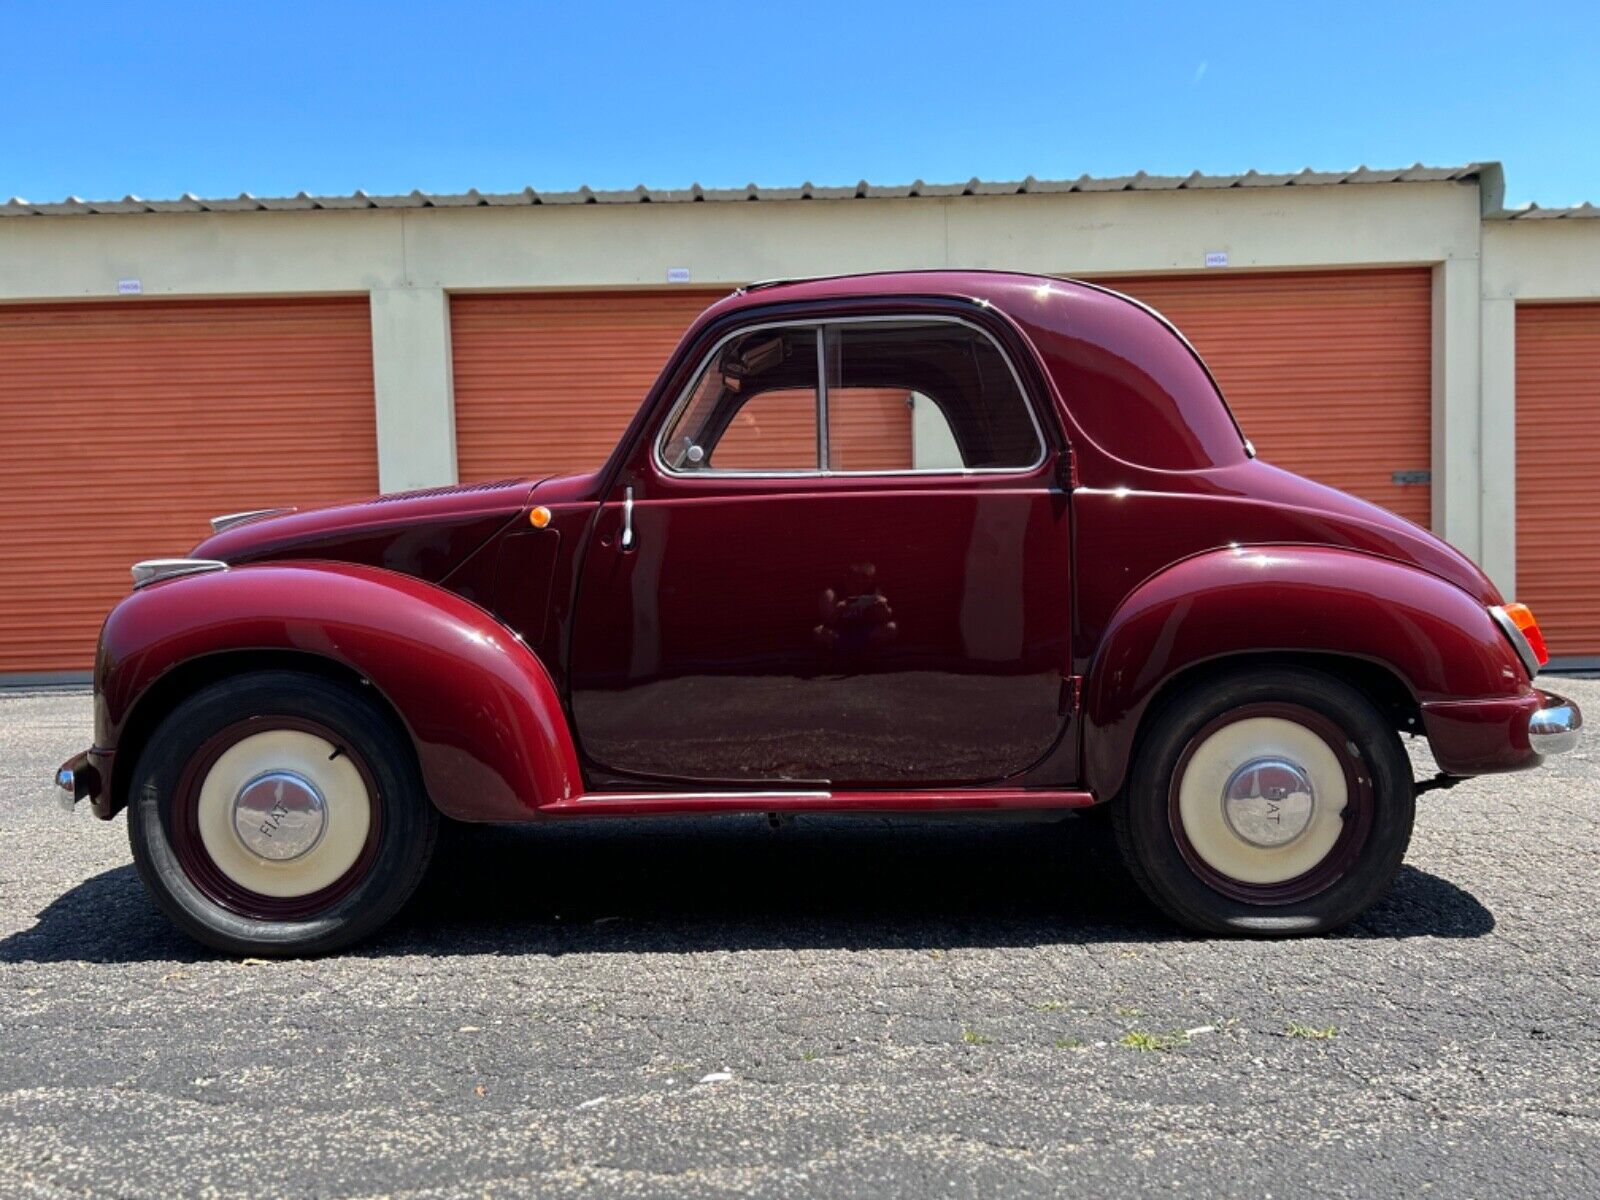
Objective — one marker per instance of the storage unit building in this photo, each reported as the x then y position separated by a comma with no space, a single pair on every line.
1394,333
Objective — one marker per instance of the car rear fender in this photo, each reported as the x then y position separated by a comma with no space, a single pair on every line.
1292,600
490,733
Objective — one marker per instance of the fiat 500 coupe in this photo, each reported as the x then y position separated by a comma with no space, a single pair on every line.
905,543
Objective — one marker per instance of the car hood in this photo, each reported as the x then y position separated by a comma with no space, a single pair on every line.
425,533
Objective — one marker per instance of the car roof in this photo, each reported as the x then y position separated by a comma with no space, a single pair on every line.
1006,290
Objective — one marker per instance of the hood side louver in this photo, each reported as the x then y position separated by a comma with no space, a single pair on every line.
459,489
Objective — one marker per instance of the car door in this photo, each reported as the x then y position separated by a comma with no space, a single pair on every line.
841,558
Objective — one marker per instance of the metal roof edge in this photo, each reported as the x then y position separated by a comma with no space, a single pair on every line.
1489,176
1587,211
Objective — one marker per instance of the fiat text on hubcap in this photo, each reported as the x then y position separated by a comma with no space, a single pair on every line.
1268,802
279,815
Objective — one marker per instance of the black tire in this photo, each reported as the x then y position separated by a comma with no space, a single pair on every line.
402,826
1374,826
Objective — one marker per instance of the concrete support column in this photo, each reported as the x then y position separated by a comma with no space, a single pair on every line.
415,391
1457,464
1499,422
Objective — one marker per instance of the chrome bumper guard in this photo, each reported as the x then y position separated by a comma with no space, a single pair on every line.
1556,727
75,779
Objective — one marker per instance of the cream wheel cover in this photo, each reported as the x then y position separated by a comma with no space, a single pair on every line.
294,787
1262,800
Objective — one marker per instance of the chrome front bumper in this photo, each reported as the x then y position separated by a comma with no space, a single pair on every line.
1556,727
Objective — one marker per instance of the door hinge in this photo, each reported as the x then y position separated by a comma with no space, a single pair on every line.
1069,469
1071,694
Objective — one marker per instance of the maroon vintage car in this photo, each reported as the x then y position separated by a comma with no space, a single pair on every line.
931,541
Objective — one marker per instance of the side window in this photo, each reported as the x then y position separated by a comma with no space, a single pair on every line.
870,429
899,396
771,431
754,408
923,396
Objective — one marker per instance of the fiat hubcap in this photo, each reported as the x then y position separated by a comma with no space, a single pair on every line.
283,813
1261,801
280,815
1269,801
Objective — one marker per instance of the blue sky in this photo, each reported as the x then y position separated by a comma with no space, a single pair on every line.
157,99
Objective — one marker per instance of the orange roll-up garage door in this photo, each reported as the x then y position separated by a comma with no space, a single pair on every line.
1328,372
547,382
1558,473
125,425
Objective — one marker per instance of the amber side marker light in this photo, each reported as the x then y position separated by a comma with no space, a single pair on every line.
540,517
1522,617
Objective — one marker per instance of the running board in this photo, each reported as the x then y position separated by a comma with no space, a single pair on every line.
633,804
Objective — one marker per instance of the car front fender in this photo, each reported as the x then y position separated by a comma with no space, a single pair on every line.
1437,640
490,734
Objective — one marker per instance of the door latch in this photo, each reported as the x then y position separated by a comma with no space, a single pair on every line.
627,519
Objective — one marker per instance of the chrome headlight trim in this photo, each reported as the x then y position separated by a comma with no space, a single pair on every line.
1519,643
153,570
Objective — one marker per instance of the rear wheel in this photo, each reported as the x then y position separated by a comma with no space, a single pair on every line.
279,813
1267,802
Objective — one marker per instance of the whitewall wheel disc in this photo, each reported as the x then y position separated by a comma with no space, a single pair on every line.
283,813
1261,800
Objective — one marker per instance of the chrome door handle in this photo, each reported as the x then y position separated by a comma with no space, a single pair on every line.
627,519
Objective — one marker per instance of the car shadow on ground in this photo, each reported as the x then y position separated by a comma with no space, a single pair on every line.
733,883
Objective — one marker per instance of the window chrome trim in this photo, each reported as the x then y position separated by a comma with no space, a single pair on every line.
820,324
822,398
154,570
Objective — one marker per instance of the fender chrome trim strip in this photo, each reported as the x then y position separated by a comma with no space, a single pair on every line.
976,800
229,520
153,570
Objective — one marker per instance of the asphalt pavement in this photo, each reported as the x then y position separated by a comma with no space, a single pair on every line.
862,1007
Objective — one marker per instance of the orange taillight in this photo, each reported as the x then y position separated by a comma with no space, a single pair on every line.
1522,617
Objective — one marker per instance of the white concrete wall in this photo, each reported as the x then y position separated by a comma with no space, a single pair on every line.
727,243
1457,464
412,374
1548,260
1523,262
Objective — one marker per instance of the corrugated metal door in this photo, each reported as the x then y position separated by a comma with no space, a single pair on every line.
1328,372
1558,473
548,382
124,426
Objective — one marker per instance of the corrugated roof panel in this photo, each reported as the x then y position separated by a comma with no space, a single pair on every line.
1199,181
1585,211
1142,182
188,202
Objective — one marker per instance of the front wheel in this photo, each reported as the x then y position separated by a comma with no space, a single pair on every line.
279,813
1269,802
